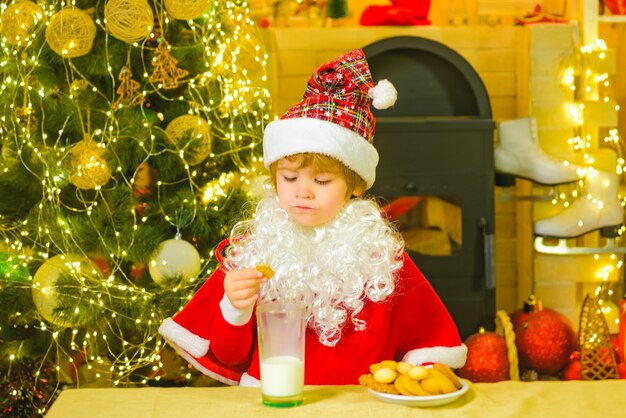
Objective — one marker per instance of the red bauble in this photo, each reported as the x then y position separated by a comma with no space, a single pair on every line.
103,265
572,370
616,348
137,269
265,22
487,359
544,338
616,7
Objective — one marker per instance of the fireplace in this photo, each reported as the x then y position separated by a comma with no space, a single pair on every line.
435,178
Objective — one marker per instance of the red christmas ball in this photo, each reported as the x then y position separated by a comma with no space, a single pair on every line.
265,22
137,269
613,6
487,359
544,339
572,370
102,264
616,348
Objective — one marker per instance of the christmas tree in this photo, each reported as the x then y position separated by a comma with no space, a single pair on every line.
129,142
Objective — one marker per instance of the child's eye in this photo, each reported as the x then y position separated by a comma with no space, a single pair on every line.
322,182
289,179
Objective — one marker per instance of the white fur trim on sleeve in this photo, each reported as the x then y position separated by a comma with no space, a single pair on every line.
454,357
191,359
190,342
233,315
249,381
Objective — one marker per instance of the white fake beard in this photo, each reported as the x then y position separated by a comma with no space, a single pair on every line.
331,268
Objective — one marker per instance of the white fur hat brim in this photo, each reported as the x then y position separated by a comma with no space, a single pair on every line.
285,137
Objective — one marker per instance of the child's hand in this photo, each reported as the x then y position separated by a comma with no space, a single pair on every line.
242,287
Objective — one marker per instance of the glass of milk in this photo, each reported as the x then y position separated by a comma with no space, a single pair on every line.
281,328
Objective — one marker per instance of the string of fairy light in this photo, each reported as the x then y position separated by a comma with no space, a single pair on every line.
589,84
243,97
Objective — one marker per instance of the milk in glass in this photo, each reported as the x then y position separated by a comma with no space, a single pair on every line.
282,376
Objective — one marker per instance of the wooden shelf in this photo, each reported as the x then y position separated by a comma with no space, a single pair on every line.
612,18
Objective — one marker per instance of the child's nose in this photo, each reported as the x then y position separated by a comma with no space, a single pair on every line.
305,189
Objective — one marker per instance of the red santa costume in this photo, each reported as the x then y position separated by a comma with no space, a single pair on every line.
366,300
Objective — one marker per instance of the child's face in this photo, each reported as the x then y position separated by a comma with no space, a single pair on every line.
310,197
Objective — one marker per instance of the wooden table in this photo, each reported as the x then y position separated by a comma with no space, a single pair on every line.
592,399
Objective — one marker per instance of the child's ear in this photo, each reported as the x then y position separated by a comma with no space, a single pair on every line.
358,191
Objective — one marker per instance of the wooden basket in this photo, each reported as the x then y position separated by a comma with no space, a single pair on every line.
504,327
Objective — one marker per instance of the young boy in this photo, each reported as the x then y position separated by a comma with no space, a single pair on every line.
366,300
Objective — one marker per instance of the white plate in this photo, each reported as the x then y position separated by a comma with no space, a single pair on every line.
422,401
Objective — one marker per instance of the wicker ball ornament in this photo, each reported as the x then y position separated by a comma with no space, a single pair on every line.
45,290
187,9
88,167
18,21
129,20
70,33
173,260
80,89
196,128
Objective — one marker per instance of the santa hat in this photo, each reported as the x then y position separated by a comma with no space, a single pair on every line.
334,117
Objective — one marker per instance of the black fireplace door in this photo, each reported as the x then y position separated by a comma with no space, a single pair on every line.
435,178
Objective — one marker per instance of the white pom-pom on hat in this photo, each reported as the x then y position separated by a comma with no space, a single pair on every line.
383,94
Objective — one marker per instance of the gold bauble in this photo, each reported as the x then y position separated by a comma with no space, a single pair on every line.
80,89
187,9
89,168
129,20
195,126
45,291
144,176
8,157
19,19
71,32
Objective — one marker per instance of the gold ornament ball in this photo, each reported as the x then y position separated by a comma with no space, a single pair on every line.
80,89
18,21
174,259
187,9
129,20
88,168
45,291
196,127
71,32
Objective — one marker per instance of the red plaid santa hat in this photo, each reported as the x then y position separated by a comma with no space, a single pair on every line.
334,117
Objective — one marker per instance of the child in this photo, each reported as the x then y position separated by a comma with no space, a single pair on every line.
366,300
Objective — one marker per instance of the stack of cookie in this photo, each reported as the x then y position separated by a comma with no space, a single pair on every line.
403,378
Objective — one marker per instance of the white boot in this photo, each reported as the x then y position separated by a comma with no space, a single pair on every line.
518,153
598,208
